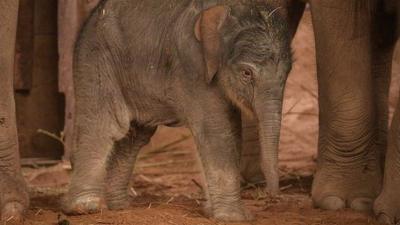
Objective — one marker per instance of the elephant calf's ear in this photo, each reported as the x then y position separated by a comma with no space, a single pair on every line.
208,32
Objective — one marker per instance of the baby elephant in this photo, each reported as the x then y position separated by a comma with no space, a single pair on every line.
143,63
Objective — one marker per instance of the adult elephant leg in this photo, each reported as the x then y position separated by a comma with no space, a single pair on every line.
13,193
348,166
383,44
387,205
250,158
121,164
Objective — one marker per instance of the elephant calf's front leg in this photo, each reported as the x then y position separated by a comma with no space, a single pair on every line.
218,144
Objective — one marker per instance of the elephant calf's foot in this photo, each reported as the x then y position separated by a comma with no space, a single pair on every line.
336,188
387,208
232,214
86,204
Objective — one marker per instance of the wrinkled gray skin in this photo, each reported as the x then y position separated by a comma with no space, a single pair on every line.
13,193
140,64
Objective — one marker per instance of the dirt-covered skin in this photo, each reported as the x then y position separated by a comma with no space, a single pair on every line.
140,64
13,193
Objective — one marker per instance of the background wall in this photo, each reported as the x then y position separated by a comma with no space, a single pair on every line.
39,104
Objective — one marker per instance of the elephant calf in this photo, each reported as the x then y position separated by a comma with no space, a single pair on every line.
144,63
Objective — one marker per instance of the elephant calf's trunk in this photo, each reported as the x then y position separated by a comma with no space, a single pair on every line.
269,119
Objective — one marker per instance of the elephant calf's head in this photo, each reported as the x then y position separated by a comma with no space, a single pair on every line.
247,50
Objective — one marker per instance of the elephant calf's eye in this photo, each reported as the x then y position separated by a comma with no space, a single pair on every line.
247,73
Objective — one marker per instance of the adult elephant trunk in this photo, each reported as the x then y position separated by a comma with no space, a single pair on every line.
269,112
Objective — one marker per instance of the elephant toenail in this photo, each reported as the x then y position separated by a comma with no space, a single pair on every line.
332,203
362,204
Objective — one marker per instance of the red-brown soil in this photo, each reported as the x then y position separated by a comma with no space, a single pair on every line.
166,186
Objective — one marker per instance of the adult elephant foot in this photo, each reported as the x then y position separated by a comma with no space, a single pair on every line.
338,186
14,198
387,207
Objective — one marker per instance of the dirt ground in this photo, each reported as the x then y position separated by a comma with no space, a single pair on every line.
166,187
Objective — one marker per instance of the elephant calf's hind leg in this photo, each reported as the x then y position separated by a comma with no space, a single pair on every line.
121,164
94,139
